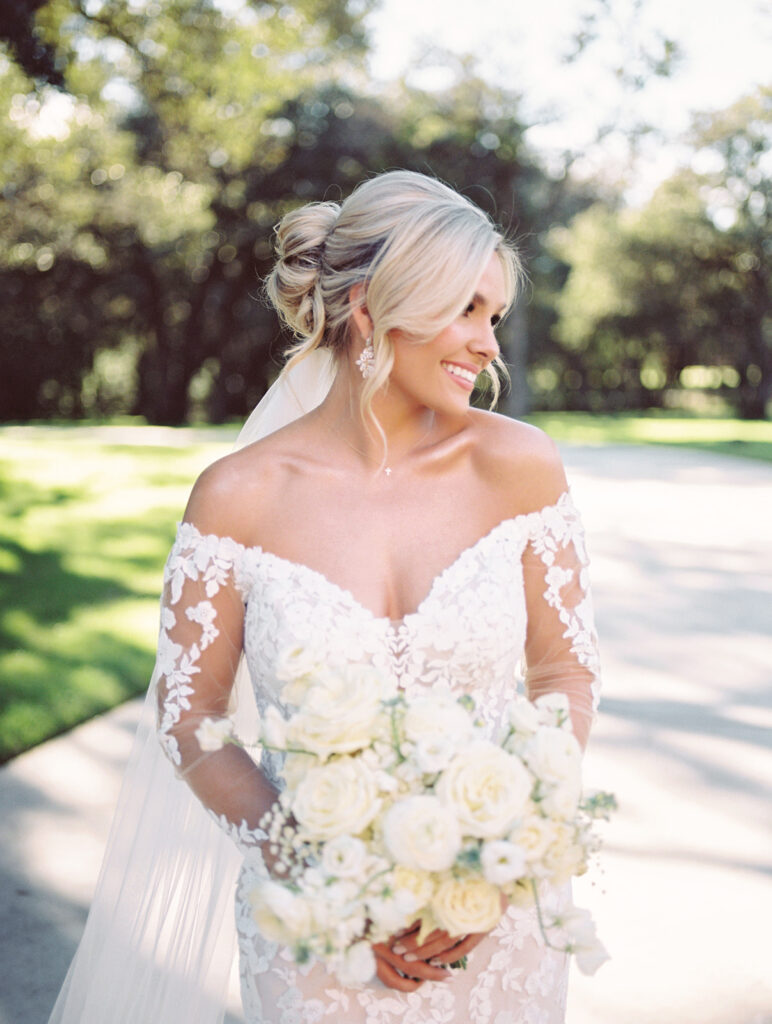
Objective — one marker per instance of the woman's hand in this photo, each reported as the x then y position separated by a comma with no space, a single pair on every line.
403,964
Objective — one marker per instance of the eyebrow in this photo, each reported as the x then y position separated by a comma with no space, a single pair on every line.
481,300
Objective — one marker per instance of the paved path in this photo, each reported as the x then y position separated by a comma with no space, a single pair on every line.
682,557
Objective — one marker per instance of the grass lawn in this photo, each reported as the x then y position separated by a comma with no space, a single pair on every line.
85,526
87,515
747,438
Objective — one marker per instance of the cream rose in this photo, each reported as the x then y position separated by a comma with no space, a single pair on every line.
486,788
421,833
466,906
418,883
534,836
337,798
340,712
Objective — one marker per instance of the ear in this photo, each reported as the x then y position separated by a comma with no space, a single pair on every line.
357,298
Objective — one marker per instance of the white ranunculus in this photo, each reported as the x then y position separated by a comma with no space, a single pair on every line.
340,711
502,862
421,833
486,788
358,965
336,798
554,756
214,733
391,912
344,857
280,915
437,716
433,754
466,906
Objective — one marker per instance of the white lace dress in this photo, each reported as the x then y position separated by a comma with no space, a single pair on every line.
521,590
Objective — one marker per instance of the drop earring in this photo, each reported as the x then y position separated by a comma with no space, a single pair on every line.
366,360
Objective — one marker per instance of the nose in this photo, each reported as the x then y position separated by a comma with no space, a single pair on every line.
485,344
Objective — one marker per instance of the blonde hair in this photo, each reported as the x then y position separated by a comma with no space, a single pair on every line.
415,246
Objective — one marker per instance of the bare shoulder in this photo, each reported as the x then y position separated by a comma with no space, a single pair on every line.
230,496
519,462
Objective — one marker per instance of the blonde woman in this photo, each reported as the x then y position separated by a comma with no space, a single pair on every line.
376,518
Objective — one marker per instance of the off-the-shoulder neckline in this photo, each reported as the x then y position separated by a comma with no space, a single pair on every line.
563,504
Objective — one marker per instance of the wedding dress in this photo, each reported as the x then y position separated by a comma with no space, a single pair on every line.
521,585
156,946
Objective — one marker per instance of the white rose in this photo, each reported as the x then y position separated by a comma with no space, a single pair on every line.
214,733
295,663
565,856
340,712
336,798
562,800
418,883
534,836
486,788
502,862
344,857
280,915
554,756
437,716
466,906
357,966
295,769
523,716
421,833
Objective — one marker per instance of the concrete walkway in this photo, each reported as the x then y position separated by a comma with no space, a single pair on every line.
682,569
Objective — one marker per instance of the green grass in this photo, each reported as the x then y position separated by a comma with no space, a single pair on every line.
747,438
85,526
87,515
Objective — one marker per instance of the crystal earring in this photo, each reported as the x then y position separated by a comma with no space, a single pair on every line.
366,361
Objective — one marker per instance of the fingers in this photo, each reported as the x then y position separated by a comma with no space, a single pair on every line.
435,943
416,970
392,978
462,948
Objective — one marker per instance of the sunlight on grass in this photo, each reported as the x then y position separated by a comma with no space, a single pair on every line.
85,527
749,439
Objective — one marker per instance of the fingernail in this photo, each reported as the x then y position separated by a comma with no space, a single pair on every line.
436,963
399,949
409,957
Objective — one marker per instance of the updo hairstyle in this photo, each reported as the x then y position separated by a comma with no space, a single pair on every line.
417,247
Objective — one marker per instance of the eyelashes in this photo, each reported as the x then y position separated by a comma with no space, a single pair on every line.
495,319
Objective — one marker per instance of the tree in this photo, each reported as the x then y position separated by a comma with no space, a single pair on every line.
683,282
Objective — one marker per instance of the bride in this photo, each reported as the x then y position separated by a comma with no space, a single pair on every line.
370,515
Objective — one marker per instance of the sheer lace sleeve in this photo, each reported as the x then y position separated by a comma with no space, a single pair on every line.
199,648
561,645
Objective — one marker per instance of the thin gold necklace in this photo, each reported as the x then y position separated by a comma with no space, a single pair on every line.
387,470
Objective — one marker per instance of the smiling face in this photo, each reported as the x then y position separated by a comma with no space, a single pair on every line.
440,374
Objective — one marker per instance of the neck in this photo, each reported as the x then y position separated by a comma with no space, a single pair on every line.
405,430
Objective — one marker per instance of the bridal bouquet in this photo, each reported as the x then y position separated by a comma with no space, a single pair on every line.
398,808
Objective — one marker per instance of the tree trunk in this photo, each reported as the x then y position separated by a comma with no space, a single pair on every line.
515,400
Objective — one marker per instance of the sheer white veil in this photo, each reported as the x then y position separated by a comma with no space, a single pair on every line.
159,939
